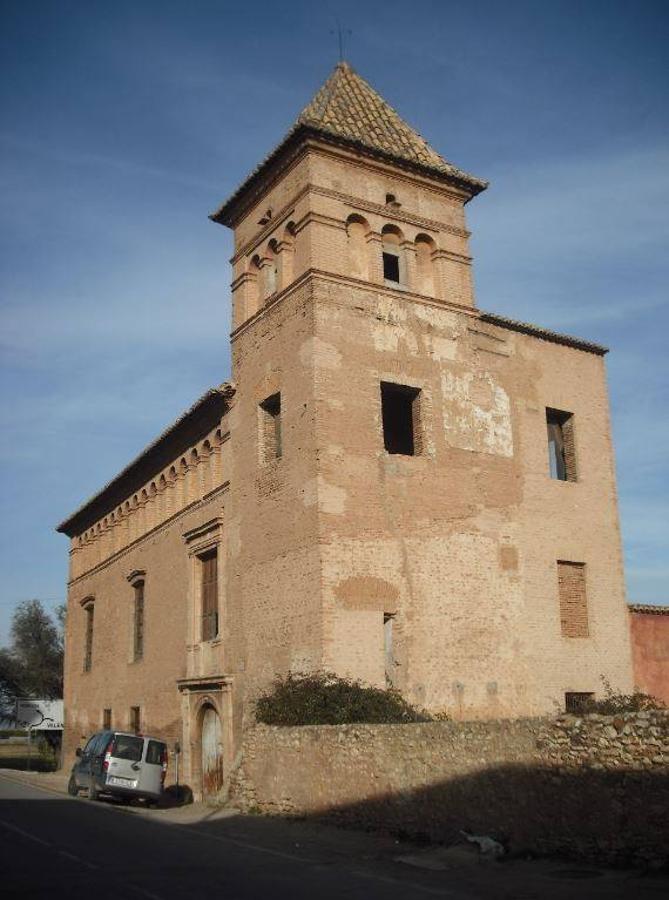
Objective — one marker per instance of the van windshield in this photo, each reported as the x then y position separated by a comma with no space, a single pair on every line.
126,746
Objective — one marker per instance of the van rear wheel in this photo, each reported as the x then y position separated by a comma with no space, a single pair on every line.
92,791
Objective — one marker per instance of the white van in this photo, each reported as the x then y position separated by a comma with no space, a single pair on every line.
123,765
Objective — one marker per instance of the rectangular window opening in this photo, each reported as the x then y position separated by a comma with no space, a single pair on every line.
271,427
135,719
391,267
573,599
88,652
107,719
139,621
388,648
400,410
561,448
209,572
577,702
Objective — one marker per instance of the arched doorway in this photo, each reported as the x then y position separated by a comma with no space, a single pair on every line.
212,752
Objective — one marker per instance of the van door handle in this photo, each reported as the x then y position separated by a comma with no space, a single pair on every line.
136,767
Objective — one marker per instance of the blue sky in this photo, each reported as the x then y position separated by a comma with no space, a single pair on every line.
124,124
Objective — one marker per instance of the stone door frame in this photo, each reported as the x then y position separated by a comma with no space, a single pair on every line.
196,695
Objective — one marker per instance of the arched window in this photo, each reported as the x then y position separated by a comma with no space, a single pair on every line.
357,230
253,293
270,270
394,269
425,247
88,605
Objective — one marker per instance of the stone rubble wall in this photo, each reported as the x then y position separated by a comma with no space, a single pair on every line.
595,787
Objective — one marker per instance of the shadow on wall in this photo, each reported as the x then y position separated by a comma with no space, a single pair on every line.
613,817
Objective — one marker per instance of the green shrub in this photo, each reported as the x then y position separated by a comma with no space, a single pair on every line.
613,702
322,698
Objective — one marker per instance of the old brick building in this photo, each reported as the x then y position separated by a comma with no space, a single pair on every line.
395,485
649,628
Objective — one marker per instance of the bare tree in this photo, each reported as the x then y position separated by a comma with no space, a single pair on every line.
33,664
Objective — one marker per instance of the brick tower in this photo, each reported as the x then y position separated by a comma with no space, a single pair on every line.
422,494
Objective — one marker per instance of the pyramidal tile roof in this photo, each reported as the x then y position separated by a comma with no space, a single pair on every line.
348,109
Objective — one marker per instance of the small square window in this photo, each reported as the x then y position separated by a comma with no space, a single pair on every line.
576,703
400,409
107,719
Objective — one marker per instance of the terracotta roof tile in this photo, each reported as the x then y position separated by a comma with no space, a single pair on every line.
546,334
649,608
348,109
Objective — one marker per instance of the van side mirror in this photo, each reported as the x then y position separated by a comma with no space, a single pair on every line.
78,752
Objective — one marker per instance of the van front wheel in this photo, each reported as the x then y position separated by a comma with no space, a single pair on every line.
72,788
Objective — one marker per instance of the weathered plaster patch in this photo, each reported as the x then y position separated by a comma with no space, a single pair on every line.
440,348
477,413
323,354
367,592
329,497
438,318
509,558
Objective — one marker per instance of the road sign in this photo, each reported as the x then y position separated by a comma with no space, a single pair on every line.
40,715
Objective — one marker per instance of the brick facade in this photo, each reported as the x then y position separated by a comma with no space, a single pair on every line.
322,542
649,627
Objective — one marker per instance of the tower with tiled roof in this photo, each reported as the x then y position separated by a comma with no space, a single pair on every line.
392,510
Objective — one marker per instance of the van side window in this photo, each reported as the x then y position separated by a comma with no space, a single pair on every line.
127,746
154,753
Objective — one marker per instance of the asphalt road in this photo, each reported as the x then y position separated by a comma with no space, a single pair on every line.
54,846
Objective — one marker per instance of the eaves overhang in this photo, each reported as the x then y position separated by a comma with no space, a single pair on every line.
193,424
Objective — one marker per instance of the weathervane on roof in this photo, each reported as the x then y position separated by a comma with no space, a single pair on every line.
341,33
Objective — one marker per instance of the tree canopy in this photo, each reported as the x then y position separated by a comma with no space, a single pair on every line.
32,666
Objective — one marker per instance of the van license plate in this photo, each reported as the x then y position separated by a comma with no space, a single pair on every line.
122,782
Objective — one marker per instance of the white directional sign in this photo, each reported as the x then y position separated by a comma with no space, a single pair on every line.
40,715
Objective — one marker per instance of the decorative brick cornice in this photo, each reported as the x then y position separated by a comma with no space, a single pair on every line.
333,278
398,215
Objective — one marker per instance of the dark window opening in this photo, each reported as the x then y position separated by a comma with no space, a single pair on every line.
139,621
577,702
400,408
88,652
271,427
106,719
561,448
388,648
134,725
209,566
391,267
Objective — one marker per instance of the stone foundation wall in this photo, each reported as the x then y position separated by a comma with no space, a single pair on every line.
594,787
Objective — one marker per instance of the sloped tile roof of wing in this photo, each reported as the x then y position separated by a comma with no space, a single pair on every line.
348,110
197,418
